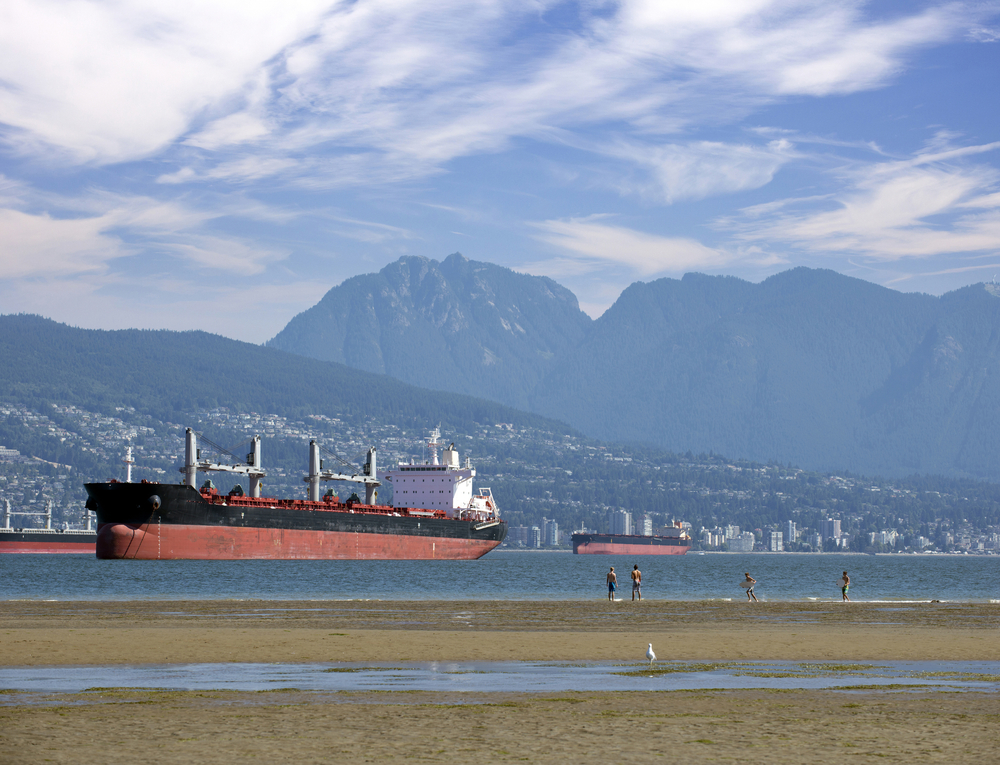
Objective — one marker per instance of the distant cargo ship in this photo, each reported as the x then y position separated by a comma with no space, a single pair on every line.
45,541
674,541
434,514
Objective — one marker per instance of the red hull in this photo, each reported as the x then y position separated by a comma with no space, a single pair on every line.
46,548
599,548
185,542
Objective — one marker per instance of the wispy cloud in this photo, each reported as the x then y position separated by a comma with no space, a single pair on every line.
405,84
88,235
699,169
601,243
933,203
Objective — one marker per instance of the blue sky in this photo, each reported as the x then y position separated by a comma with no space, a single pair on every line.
221,165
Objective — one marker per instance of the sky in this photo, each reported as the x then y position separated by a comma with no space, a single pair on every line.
191,164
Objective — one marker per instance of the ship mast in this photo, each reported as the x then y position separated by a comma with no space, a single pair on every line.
129,462
368,475
433,444
193,463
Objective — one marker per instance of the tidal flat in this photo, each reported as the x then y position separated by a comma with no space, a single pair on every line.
118,725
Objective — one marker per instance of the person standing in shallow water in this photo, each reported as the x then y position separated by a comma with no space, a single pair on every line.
847,583
749,583
636,582
612,582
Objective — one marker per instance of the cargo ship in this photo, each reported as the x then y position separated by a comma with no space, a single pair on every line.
434,515
673,541
45,540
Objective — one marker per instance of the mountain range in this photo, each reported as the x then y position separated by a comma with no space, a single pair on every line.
457,326
808,367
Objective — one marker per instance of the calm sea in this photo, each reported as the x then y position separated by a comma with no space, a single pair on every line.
506,575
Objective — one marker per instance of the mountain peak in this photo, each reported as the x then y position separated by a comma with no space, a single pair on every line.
458,325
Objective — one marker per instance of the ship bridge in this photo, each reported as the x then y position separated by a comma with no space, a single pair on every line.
439,484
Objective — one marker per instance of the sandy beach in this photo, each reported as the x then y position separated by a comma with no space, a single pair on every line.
121,725
143,632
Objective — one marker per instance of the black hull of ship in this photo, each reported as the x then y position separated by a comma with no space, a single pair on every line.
175,521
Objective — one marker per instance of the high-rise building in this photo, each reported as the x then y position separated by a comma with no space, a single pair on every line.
791,535
830,528
741,542
647,527
550,532
535,537
619,522
774,543
517,534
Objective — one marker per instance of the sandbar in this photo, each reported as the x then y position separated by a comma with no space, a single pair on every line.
168,632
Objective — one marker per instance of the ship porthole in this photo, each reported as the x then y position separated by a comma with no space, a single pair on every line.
154,502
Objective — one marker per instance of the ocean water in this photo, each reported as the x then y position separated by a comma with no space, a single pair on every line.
508,575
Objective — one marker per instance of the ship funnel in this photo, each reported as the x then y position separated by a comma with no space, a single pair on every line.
6,513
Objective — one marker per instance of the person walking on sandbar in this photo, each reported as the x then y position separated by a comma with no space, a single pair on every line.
749,582
846,584
612,582
636,582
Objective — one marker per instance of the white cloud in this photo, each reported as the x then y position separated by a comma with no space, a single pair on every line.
984,35
929,205
82,239
600,244
703,168
107,82
413,85
39,245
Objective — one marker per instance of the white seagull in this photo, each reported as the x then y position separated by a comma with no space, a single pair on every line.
650,655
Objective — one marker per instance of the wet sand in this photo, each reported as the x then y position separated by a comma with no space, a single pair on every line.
124,726
144,632
691,727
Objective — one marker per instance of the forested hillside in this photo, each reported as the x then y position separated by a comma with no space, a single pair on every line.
165,373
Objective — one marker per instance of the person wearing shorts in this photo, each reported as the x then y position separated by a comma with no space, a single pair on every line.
750,581
612,583
847,583
636,582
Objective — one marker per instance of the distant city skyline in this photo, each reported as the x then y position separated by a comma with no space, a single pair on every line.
220,166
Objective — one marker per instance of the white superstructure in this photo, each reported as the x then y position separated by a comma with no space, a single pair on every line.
440,484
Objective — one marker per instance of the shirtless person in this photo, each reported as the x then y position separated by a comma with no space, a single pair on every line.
752,582
612,582
847,583
636,582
